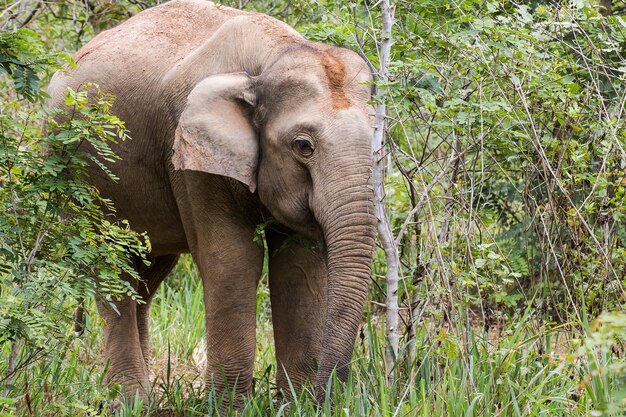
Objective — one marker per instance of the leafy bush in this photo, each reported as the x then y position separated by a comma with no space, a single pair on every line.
57,245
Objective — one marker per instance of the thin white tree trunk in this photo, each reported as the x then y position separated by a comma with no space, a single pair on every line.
378,176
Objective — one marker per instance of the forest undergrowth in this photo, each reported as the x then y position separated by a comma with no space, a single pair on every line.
525,367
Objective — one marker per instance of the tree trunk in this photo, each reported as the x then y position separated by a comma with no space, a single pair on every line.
384,230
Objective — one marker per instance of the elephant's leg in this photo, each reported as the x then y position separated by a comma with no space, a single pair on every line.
297,280
122,348
151,278
230,263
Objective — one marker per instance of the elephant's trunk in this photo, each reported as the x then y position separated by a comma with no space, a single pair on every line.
349,227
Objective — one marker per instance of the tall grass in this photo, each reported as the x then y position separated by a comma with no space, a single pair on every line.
525,369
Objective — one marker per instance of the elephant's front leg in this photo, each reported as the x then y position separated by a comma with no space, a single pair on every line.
230,264
297,279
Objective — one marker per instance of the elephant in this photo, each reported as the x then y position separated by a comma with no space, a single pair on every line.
238,121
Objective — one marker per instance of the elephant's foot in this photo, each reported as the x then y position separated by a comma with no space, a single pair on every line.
130,381
293,383
130,386
229,392
135,401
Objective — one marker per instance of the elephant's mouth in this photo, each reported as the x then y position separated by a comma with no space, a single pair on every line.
298,218
308,234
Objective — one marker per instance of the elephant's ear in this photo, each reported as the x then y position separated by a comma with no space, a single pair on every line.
214,133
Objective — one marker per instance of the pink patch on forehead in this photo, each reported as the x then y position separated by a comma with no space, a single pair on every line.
336,73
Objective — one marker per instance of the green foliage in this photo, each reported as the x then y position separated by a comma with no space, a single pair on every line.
56,244
606,334
507,121
56,241
22,57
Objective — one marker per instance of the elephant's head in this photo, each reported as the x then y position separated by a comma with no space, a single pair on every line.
299,132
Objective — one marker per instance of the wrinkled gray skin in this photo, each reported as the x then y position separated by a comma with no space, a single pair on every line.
235,118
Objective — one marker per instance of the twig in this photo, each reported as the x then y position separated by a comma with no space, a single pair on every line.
31,15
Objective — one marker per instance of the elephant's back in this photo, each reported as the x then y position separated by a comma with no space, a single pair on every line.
144,47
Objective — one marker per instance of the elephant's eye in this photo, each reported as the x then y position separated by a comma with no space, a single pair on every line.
303,146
